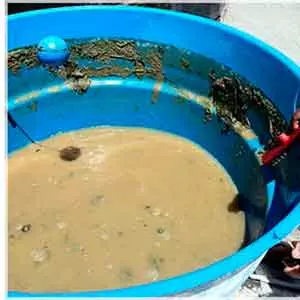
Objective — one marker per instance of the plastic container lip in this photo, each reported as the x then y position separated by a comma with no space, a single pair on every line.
230,264
290,64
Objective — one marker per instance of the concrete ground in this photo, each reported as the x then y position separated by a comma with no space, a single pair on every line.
277,24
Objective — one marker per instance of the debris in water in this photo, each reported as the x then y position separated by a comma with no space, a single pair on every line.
155,262
80,85
33,106
23,57
40,255
234,98
99,199
152,275
61,225
184,63
156,212
156,90
207,115
69,153
160,230
105,53
26,228
126,274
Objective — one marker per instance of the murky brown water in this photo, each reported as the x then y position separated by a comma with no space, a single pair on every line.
135,207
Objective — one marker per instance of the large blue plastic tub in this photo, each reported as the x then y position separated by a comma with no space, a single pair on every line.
272,209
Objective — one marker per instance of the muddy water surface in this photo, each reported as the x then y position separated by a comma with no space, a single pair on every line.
137,206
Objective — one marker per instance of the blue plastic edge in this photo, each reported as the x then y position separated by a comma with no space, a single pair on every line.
225,266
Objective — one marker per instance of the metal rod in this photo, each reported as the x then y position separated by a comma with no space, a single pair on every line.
14,124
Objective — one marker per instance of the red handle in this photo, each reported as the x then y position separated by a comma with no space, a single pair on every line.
284,140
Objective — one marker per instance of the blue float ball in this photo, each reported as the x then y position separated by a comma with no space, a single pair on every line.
53,50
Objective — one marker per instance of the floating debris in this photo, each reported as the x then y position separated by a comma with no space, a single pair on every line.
61,225
26,228
153,275
160,230
140,61
40,255
207,115
12,237
156,91
79,84
156,212
126,274
33,106
233,98
184,63
98,200
155,262
69,153
23,57
163,233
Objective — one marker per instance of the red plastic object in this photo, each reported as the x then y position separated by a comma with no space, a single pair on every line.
284,141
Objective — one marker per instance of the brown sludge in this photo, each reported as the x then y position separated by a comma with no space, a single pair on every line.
69,153
233,99
106,52
135,207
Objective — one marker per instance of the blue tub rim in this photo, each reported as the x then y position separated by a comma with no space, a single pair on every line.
230,264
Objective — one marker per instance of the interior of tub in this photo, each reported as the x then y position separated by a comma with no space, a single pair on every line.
138,83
